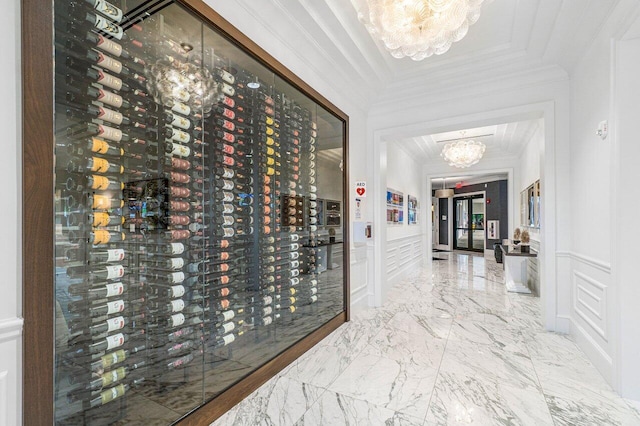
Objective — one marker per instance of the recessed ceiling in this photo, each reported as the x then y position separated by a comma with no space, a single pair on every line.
533,37
506,140
466,180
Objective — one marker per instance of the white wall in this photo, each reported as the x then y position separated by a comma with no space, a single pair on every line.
626,175
404,174
528,171
404,248
10,261
592,291
604,293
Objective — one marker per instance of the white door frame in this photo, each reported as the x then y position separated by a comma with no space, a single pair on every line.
484,211
449,245
548,274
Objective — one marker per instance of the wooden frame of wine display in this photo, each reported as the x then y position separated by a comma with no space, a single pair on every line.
171,214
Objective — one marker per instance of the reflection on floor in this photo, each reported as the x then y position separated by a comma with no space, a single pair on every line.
450,347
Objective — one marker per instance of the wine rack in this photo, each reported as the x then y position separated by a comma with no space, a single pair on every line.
186,211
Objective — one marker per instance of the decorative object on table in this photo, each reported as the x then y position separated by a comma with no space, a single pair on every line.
524,245
516,236
418,28
332,235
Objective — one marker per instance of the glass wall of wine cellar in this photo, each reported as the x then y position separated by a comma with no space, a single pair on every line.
188,241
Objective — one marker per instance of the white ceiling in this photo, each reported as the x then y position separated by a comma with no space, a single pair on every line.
534,37
527,41
501,140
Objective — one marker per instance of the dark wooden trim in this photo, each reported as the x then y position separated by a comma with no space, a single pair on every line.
37,212
38,224
346,236
215,408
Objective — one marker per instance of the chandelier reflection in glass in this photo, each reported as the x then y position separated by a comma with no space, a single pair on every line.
182,80
463,153
419,28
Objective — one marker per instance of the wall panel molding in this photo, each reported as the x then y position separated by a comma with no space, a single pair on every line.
587,260
403,254
590,302
10,329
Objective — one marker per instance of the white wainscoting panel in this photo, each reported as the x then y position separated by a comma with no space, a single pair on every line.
403,255
359,280
590,302
592,295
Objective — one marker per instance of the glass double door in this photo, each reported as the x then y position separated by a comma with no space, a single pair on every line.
469,223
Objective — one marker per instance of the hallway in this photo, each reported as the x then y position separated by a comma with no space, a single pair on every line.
453,348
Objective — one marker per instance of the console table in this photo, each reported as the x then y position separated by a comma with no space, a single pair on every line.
515,269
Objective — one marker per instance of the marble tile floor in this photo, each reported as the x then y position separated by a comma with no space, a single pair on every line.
450,347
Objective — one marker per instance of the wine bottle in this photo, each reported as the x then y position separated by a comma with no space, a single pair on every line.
96,256
112,394
104,292
101,309
107,272
97,146
167,291
98,94
179,334
104,114
225,340
168,277
173,263
109,360
175,349
103,202
109,10
108,378
106,26
173,306
183,360
101,236
171,148
170,249
97,165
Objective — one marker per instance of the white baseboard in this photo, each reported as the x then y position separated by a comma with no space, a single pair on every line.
598,357
563,324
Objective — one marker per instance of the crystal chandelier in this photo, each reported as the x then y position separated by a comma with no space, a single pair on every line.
463,153
419,28
173,80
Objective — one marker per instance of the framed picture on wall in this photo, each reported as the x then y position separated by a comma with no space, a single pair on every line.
395,206
412,210
493,229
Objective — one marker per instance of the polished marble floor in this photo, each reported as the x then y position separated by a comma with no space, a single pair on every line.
451,347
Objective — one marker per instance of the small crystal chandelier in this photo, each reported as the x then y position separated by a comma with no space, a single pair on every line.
182,80
419,28
463,153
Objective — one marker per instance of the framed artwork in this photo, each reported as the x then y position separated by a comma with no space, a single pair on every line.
412,210
395,206
493,229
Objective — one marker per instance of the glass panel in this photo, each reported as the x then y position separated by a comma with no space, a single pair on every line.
462,224
477,223
191,245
